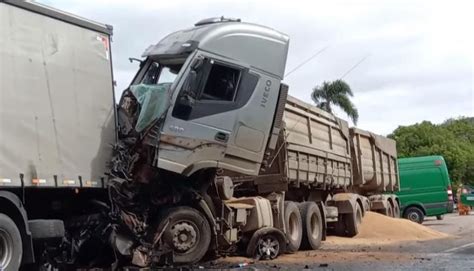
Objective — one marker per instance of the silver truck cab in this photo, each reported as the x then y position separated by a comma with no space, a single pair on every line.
215,90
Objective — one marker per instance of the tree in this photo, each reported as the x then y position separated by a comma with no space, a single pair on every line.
336,93
453,139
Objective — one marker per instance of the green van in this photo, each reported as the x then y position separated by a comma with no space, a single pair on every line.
425,188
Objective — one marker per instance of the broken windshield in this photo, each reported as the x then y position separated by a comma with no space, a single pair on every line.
152,92
161,74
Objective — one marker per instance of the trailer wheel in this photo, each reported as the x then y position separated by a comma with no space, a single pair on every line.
187,232
293,226
11,250
389,211
396,209
312,225
414,214
352,222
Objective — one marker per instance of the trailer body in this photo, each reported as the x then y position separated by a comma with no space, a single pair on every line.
57,121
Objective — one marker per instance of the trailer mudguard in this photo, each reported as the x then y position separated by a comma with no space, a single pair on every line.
345,202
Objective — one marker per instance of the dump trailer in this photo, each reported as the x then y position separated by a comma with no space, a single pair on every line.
57,128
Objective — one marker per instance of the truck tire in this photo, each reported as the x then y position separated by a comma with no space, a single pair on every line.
293,226
414,214
349,226
312,225
46,228
396,209
188,234
11,250
389,211
440,217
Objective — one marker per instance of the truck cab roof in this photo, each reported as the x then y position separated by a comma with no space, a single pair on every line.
260,47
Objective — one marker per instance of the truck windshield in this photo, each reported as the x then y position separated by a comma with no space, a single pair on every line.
161,74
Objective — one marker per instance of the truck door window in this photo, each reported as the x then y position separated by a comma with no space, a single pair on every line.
221,83
214,87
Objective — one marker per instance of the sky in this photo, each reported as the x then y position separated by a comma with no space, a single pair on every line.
408,61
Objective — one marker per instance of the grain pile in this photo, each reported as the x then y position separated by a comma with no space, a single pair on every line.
381,229
376,226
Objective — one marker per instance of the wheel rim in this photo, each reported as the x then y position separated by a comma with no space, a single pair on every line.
185,236
314,226
413,216
6,243
293,226
268,247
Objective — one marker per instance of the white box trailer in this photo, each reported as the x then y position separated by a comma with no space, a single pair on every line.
56,98
57,123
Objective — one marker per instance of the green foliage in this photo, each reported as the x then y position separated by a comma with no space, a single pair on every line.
335,93
453,139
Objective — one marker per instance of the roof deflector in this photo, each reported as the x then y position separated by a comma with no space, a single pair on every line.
214,20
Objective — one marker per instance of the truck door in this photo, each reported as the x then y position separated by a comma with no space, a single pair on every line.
219,105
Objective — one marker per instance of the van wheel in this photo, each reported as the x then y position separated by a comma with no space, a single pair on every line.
312,225
11,249
440,217
414,214
396,209
187,232
293,226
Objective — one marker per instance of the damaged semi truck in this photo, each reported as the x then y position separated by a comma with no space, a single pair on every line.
229,160
205,154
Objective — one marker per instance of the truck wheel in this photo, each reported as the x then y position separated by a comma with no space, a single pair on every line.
414,214
440,217
352,222
389,211
293,226
11,250
312,225
396,209
188,233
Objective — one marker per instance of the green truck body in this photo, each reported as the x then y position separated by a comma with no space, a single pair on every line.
425,187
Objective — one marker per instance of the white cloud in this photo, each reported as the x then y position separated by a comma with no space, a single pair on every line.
420,64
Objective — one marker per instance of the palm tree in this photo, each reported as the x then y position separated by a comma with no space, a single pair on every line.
335,93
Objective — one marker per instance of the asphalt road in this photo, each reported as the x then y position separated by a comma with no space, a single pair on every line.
453,253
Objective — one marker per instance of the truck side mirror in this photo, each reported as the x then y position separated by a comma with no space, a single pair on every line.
131,59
